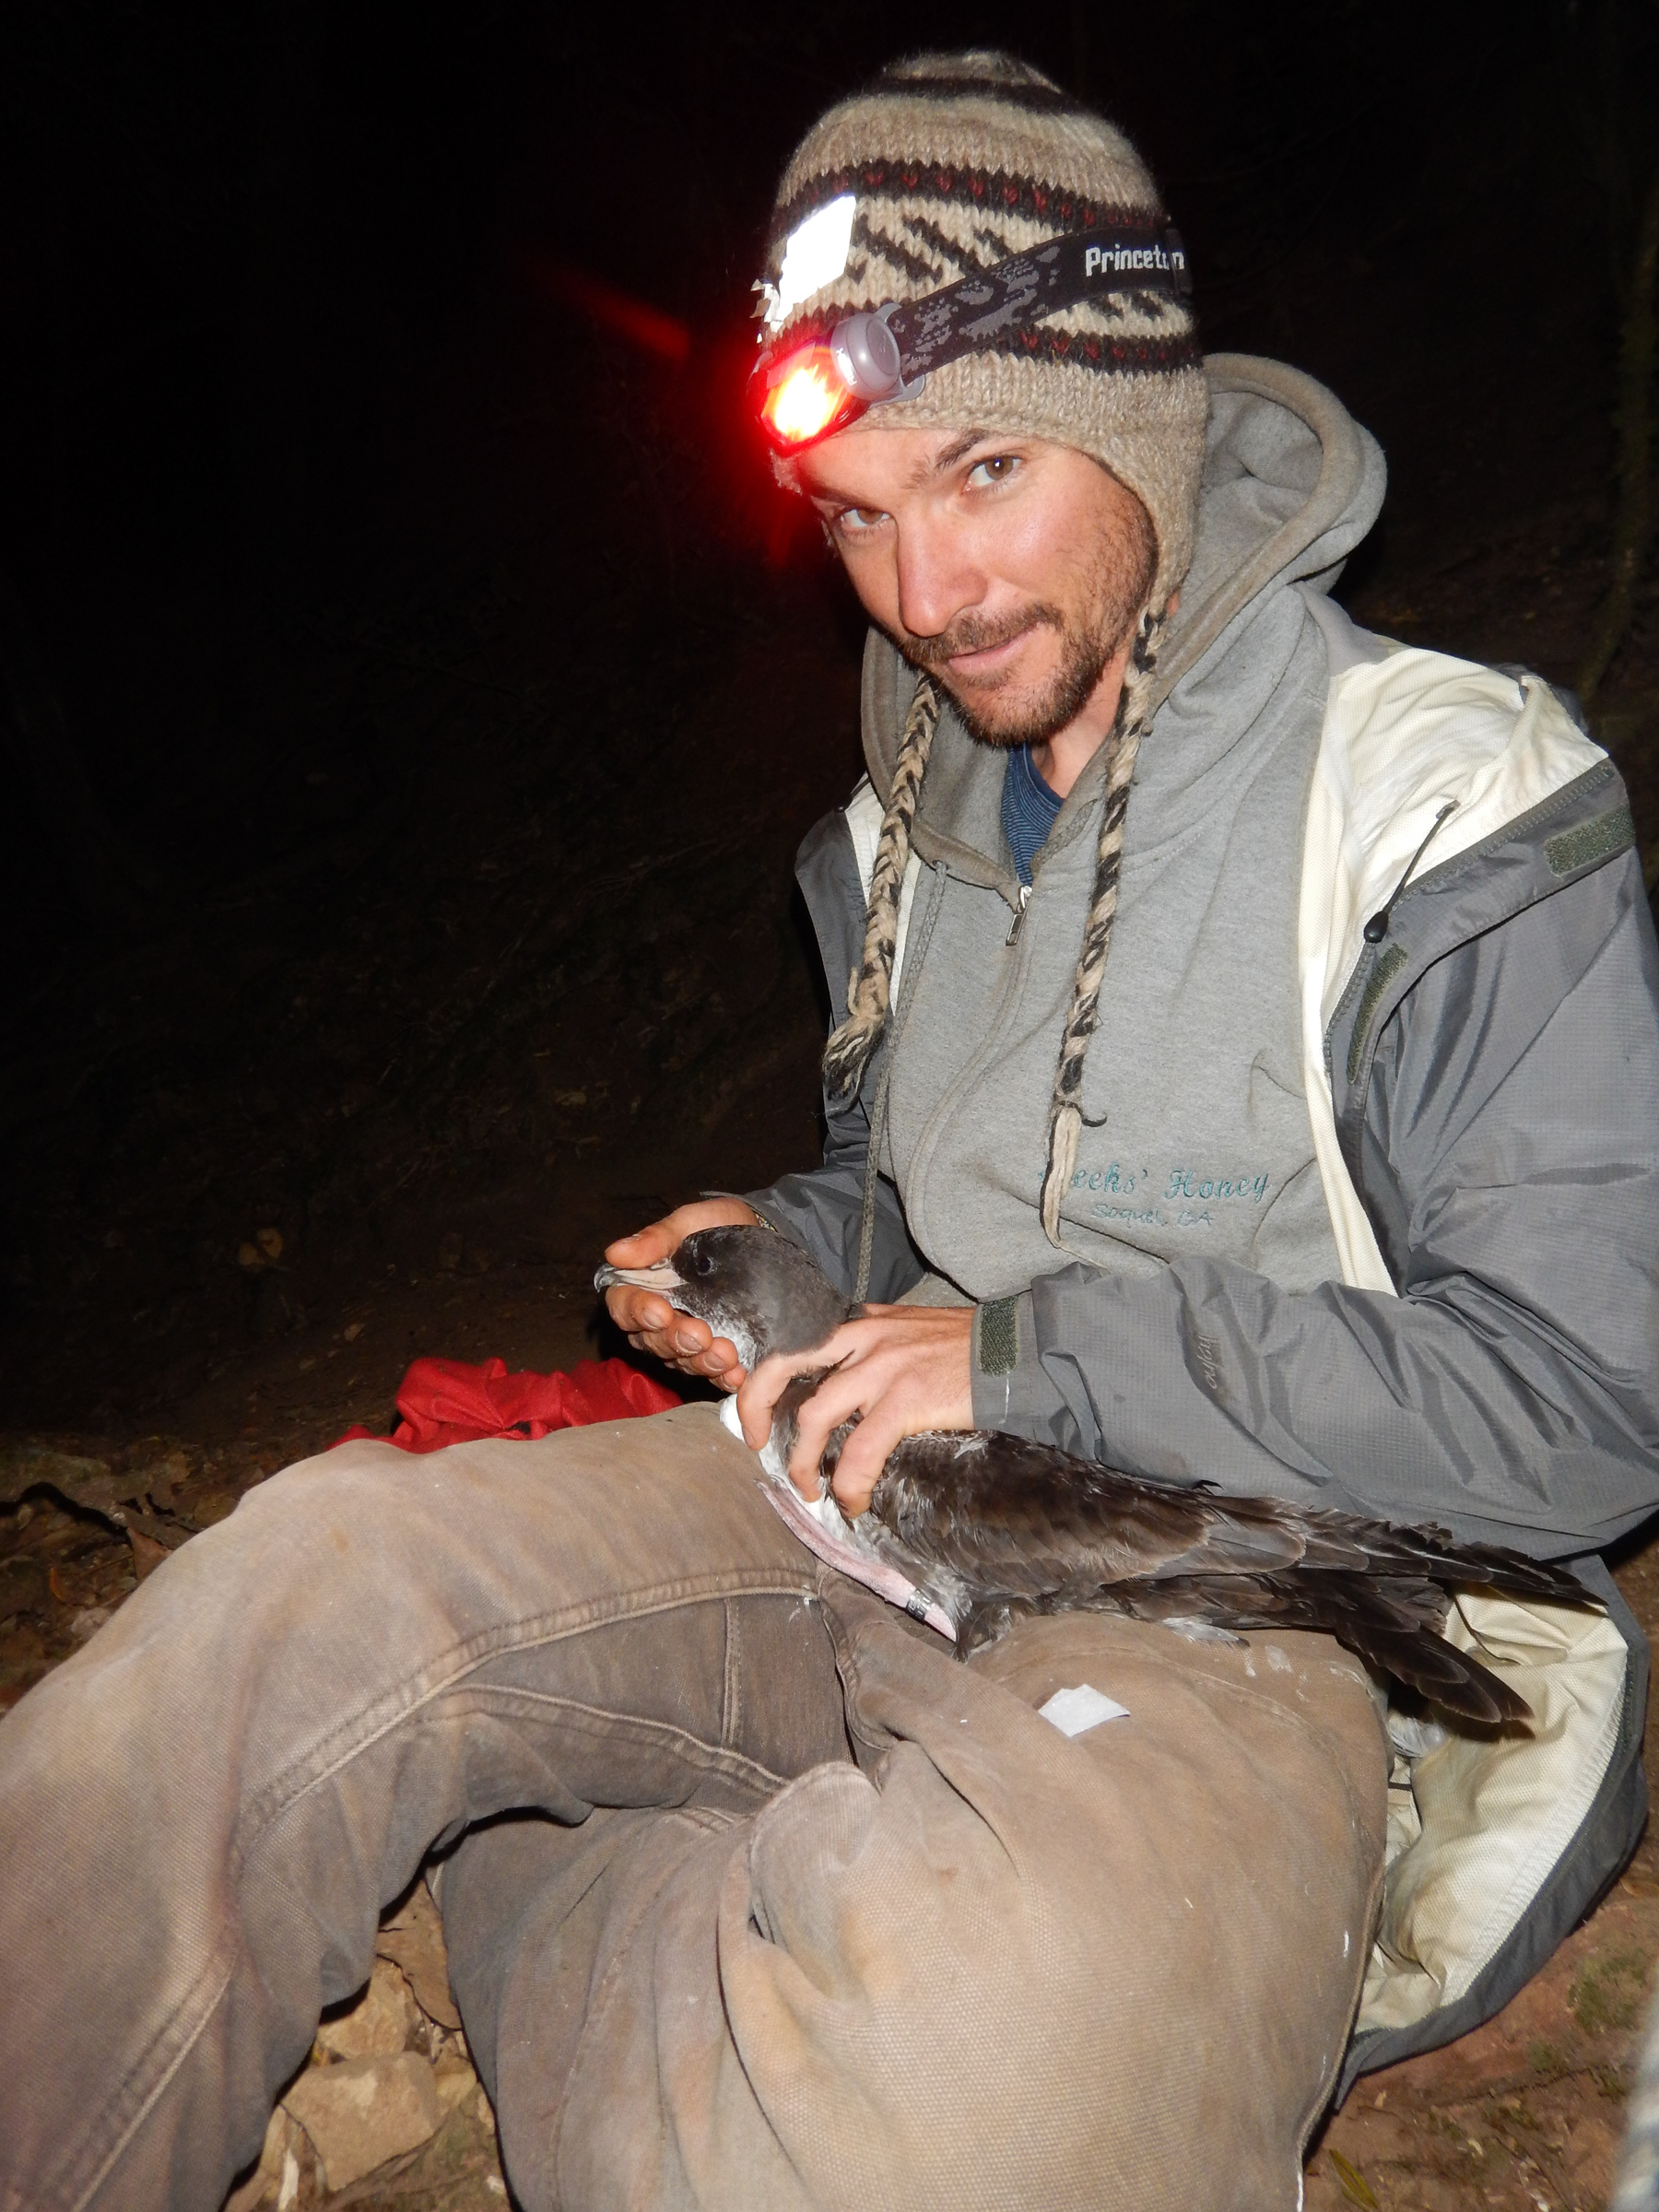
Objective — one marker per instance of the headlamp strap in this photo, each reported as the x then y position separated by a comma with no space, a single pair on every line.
971,315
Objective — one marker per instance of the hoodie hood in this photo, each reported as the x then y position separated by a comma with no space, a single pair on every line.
1291,485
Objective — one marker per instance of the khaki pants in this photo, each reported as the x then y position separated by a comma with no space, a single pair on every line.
791,1908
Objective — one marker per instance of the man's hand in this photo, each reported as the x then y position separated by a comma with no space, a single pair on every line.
649,1321
904,1368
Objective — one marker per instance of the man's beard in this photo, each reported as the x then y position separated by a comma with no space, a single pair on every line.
1087,645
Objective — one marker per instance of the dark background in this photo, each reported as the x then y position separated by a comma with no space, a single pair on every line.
414,688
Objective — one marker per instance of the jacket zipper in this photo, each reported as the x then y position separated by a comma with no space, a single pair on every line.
1019,915
1376,929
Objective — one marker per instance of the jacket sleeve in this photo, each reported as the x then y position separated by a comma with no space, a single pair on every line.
822,1208
1511,1168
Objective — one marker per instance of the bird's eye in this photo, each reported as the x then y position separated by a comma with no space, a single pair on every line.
703,1265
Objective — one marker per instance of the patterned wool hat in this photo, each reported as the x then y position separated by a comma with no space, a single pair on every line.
951,164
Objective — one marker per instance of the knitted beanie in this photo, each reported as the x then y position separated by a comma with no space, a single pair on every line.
956,161
953,162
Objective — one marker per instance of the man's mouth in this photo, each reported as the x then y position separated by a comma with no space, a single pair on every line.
983,652
981,661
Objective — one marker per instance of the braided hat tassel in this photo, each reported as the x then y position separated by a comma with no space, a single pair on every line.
869,987
1065,1112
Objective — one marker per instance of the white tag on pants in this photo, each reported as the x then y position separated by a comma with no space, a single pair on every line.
1074,1711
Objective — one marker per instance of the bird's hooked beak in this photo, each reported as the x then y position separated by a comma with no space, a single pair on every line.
664,1279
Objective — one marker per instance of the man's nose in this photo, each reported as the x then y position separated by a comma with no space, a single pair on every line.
938,578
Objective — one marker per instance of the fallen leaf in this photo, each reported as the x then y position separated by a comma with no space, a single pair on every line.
22,1585
455,2084
1355,2186
377,2025
270,1243
365,2111
58,1587
413,1940
352,1330
148,1555
263,2184
249,1256
161,1478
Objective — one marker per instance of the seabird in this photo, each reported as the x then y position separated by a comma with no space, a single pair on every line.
969,1530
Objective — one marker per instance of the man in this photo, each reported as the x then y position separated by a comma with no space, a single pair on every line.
1244,1075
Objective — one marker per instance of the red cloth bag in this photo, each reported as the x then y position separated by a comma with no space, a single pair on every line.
448,1401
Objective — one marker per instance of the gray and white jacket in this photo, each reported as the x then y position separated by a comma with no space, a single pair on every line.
1438,1299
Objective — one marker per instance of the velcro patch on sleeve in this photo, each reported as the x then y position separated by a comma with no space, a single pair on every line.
1385,968
998,1335
1612,832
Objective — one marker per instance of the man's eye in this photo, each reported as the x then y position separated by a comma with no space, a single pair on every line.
995,469
856,522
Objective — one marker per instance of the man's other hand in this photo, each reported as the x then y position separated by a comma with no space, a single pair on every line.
904,1368
648,1321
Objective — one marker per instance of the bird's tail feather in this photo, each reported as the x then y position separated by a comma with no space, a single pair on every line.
1393,1627
1435,1556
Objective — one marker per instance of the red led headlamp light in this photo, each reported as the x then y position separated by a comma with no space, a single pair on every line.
807,391
812,390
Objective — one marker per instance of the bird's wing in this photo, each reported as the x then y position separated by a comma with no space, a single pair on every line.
1020,1519
1025,1520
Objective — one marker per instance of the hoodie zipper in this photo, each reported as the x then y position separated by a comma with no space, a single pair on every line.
1019,915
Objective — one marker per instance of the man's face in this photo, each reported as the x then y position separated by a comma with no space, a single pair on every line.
1014,569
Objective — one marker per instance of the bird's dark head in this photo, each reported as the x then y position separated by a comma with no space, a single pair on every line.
756,1288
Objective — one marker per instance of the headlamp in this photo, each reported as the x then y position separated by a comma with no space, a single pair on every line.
808,391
